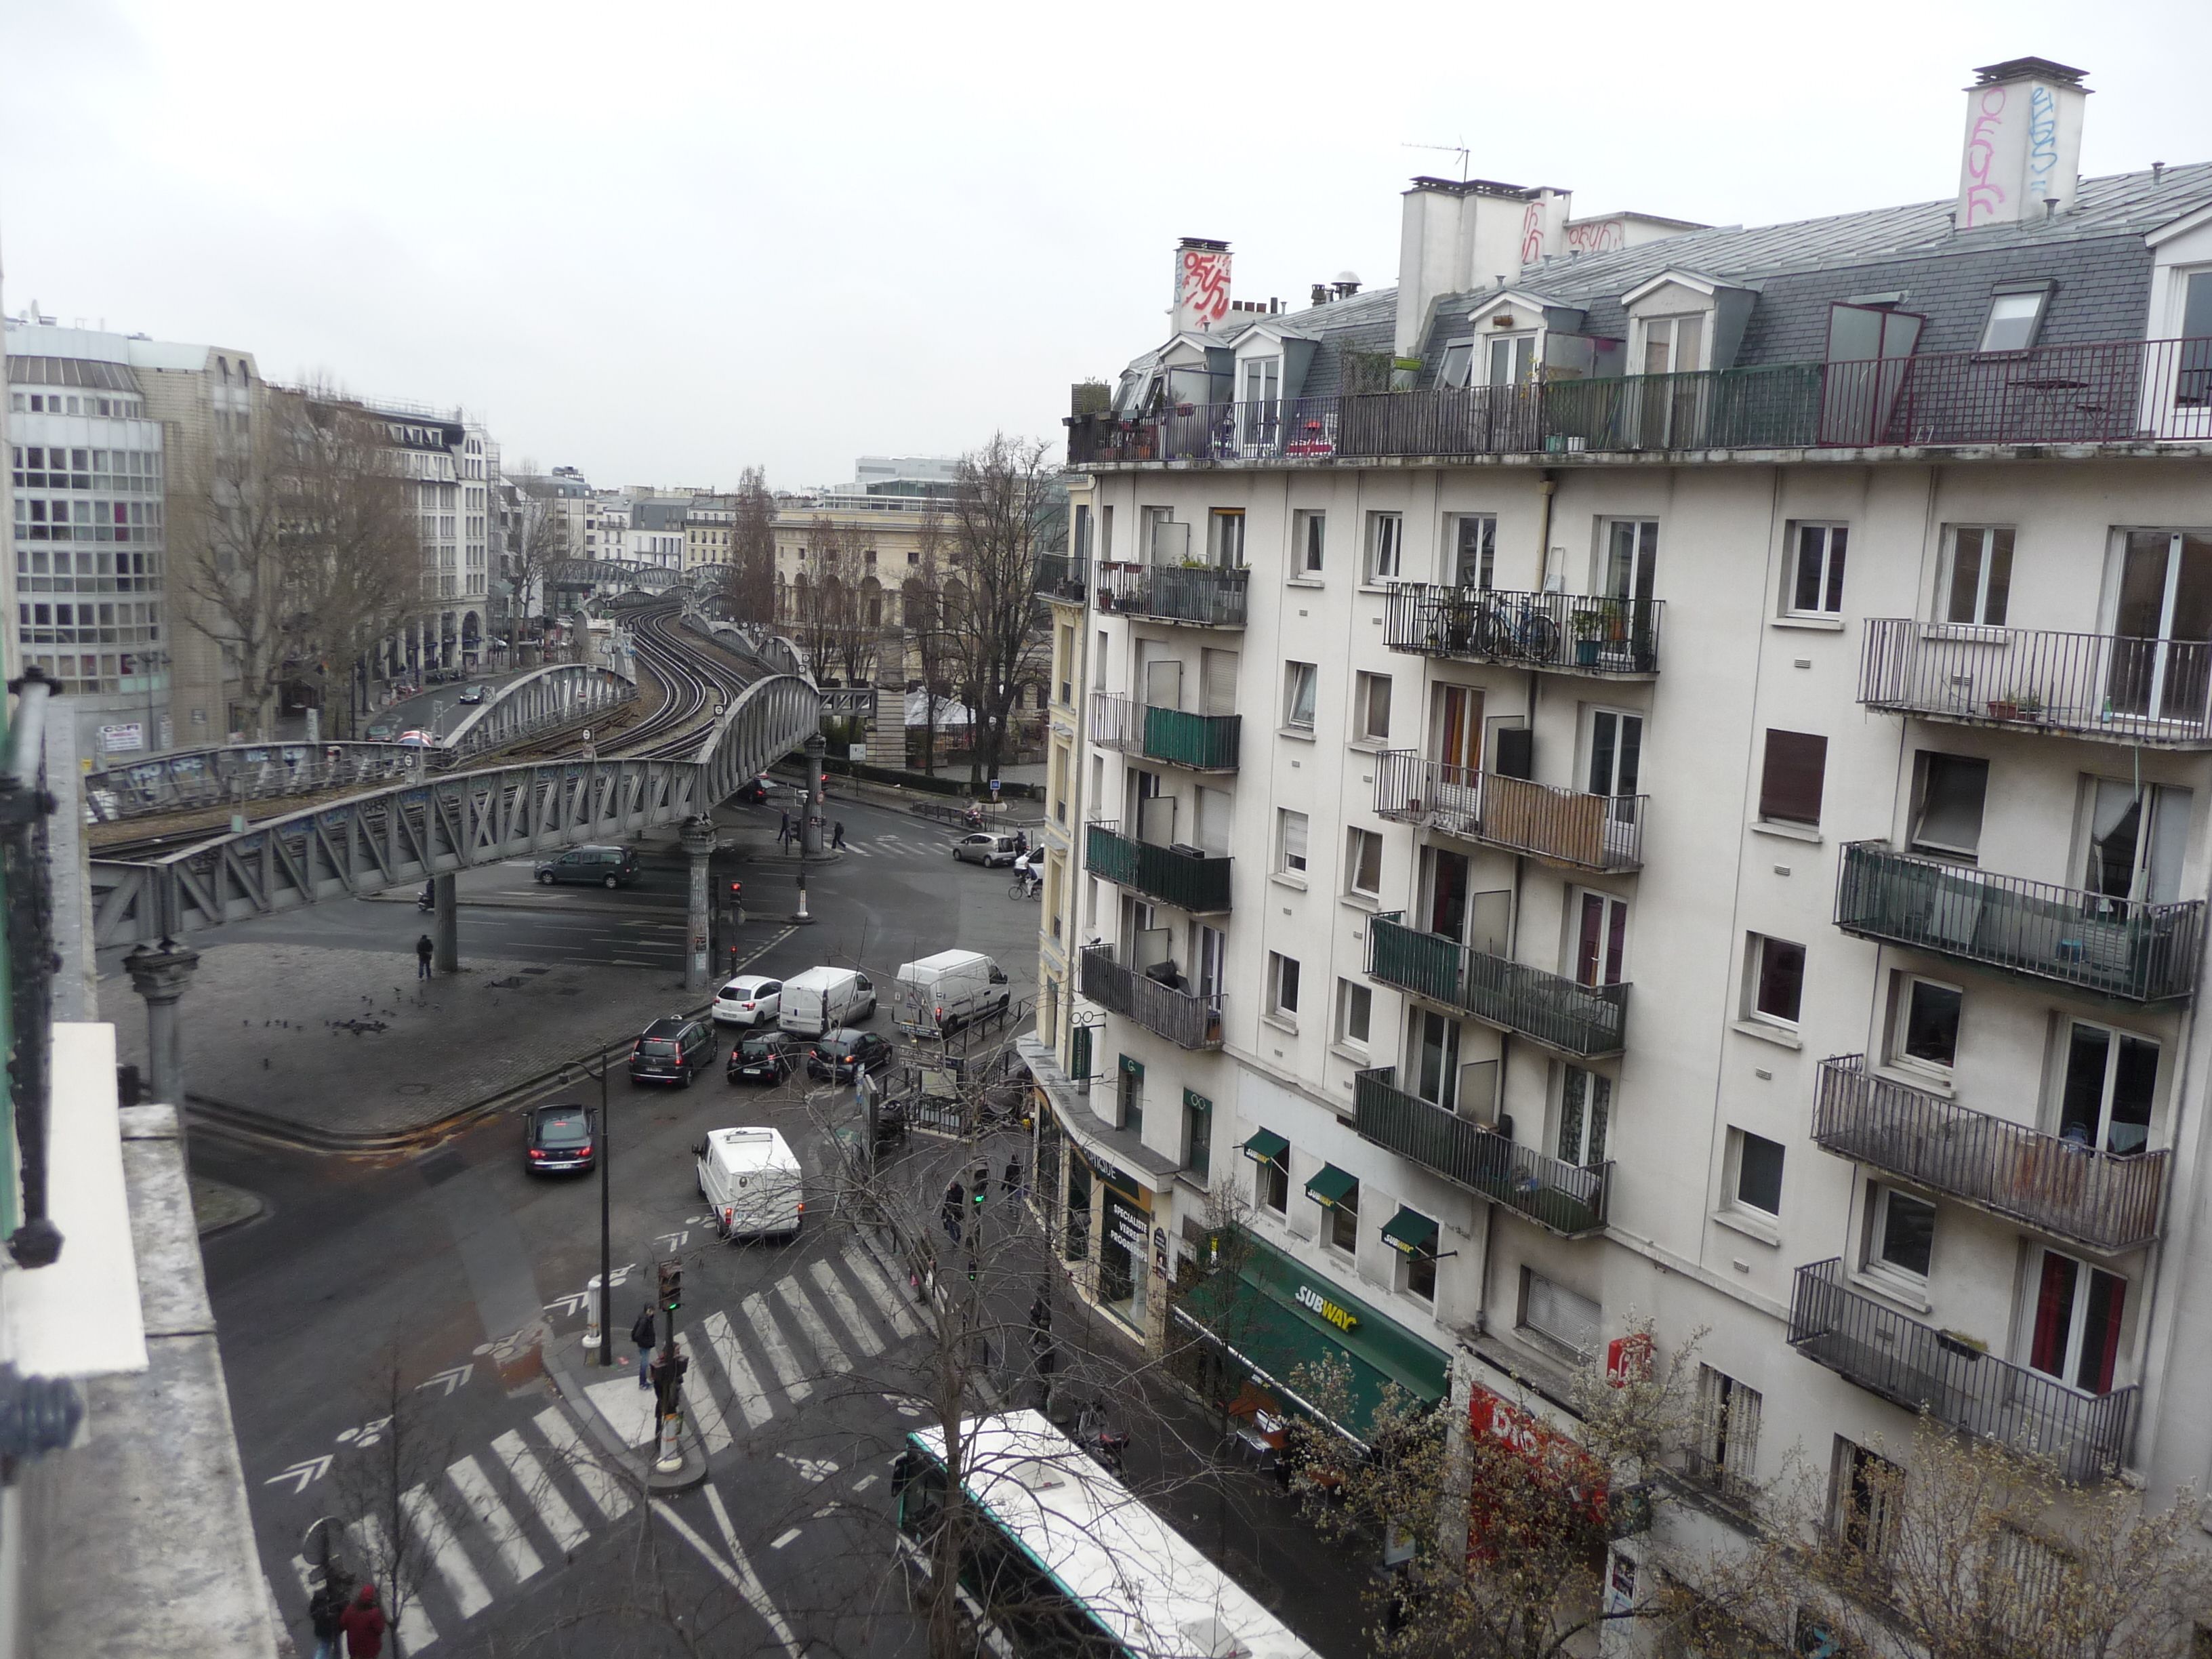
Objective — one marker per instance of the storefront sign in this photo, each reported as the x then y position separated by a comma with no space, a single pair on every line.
118,740
1343,1318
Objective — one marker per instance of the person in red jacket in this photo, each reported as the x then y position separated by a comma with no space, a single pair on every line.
363,1625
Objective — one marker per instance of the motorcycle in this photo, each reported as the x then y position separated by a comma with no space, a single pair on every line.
1109,1447
427,900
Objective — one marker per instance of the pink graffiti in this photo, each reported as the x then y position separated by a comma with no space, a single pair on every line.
1532,234
1599,236
1205,286
1983,197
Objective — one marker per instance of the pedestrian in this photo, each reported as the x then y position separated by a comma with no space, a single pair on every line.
783,829
1011,1182
363,1624
423,949
837,834
1040,1321
644,1333
955,1203
324,1608
1021,842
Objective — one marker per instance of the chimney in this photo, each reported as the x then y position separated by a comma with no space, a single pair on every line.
1452,229
1202,285
2023,143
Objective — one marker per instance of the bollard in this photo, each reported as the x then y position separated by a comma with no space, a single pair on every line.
670,1457
799,916
592,1320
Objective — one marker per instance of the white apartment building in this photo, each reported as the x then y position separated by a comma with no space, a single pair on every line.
1663,772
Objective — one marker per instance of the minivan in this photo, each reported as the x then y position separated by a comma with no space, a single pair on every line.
822,998
941,991
595,867
672,1050
751,1181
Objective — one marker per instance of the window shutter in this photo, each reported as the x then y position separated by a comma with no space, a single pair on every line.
1789,784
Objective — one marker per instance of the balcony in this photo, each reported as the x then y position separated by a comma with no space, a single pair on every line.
1183,1017
1561,1197
1060,576
2105,1201
1203,742
1560,826
1588,633
1182,877
2118,948
1203,596
1582,1020
1921,1368
2151,693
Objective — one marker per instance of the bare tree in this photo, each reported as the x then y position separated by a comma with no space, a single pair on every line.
749,583
1003,515
377,1479
922,602
538,541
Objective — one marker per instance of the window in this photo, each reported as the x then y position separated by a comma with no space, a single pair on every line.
1726,1447
1453,367
1789,783
2015,314
1417,1268
1129,1091
1977,582
1271,1177
1363,863
1290,843
1512,359
2134,834
2111,1077
1601,947
1282,985
1947,794
1371,707
1226,538
1756,1183
1674,345
1900,1233
1555,1312
1342,1232
1262,380
1869,1492
1197,1135
1355,1006
1385,537
2076,1333
1616,752
1777,980
1585,1107
1473,549
1308,543
1816,577
1299,680
1924,1029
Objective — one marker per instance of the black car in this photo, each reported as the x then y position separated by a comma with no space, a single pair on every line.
595,866
754,794
560,1138
840,1054
768,1056
671,1051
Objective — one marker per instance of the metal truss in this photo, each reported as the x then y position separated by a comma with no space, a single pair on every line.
554,696
610,574
243,771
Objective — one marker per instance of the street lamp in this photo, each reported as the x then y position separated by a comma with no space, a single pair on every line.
605,1345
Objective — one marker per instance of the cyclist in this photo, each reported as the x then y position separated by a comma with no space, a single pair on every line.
1026,874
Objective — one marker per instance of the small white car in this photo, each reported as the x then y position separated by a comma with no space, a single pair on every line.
748,999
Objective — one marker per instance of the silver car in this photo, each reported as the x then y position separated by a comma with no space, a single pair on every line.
985,848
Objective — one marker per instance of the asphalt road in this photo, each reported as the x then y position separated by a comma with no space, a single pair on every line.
443,1270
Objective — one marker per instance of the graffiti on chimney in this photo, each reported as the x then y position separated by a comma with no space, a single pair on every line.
1984,196
1597,236
1532,234
1203,296
2042,143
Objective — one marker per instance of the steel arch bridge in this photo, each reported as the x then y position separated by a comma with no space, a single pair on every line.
610,574
404,835
558,694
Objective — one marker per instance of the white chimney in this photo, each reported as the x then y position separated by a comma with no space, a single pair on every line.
1455,236
1202,285
2023,145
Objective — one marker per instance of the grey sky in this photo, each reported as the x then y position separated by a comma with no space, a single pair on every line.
661,241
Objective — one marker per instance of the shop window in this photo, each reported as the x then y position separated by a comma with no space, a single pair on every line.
1197,1135
1129,1095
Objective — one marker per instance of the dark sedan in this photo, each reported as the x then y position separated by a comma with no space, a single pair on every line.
842,1054
768,1057
560,1138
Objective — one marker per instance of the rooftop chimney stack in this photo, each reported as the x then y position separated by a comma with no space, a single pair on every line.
2023,143
1202,285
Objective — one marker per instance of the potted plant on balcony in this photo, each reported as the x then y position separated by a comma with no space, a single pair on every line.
1591,626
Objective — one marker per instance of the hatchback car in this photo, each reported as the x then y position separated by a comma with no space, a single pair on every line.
595,866
560,1138
384,732
985,848
475,693
841,1055
766,1057
748,999
671,1051
754,794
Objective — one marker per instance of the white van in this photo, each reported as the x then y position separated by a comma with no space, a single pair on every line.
751,1182
947,990
822,998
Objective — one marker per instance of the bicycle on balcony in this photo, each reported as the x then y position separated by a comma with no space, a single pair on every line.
1476,623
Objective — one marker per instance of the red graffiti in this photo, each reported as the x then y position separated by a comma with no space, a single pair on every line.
1598,236
1532,234
1206,287
1983,197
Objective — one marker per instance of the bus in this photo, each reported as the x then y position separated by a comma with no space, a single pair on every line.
1064,1562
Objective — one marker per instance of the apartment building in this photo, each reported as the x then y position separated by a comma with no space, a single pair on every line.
1661,772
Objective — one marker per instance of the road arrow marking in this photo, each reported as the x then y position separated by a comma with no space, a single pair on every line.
302,1475
572,1303
671,1243
451,1379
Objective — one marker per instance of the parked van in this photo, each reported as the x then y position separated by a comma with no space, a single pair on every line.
751,1181
822,998
947,990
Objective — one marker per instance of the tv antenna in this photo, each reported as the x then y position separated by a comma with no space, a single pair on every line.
1459,150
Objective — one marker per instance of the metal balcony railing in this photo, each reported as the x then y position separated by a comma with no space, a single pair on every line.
2157,693
26,972
1063,576
2106,1200
1183,1017
1564,1198
1565,826
1584,1020
1183,877
1207,595
2116,947
1564,633
1921,1368
1204,743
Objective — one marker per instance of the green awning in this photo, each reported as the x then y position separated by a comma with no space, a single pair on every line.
1266,1145
1412,1232
1331,1184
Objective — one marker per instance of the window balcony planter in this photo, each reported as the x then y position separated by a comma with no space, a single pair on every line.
1183,1017
1584,1021
1201,596
2087,1436
1561,1197
1593,634
1202,742
1181,876
1560,826
2120,948
2104,1200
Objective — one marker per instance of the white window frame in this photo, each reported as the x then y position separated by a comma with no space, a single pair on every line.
1485,558
1384,560
2006,309
1352,996
1925,765
1828,604
1402,1270
1597,1109
1293,843
2077,1320
1299,676
2114,1036
1880,1195
1669,327
1754,964
1519,347
1905,983
1278,1010
1364,685
1994,545
1552,1290
1738,1139
1225,537
1355,841
1308,544
1454,367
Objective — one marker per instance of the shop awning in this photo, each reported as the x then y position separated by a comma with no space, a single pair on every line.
1331,1184
1265,1145
1412,1232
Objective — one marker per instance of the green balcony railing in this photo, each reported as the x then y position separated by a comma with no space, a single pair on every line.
1585,1020
1187,879
1204,743
1565,1198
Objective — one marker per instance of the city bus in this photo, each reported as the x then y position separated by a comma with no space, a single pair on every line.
1065,1562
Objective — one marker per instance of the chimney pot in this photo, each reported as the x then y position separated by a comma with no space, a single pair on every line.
2157,168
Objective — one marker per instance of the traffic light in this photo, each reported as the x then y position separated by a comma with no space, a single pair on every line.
737,892
672,1286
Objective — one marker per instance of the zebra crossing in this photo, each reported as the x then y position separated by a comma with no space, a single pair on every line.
906,847
495,1520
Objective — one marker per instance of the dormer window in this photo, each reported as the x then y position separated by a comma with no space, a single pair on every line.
1512,359
1457,360
1674,345
2015,316
1260,379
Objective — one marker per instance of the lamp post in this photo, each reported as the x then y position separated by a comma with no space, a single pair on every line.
605,1342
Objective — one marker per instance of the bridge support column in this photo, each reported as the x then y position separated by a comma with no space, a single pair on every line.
445,927
698,834
810,845
160,976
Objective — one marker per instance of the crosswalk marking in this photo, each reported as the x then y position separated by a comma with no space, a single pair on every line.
469,1592
841,1305
537,1488
416,1630
714,1433
810,1320
751,1398
469,1479
600,1485
880,1292
779,1351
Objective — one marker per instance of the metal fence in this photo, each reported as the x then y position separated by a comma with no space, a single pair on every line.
1210,596
1585,1020
1176,876
1185,1018
1565,1198
1572,633
1566,826
26,884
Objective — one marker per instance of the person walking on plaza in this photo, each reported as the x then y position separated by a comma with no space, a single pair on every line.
324,1608
423,949
837,835
363,1624
643,1333
783,829
956,1204
1010,1183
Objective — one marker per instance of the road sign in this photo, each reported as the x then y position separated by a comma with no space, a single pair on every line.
994,786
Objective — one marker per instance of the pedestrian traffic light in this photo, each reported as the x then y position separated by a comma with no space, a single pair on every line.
672,1286
737,891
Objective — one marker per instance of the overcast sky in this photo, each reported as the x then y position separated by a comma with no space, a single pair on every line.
661,241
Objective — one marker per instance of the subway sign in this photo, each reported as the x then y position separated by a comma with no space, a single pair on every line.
1343,1318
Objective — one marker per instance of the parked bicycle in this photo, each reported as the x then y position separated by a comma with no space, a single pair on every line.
1514,632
